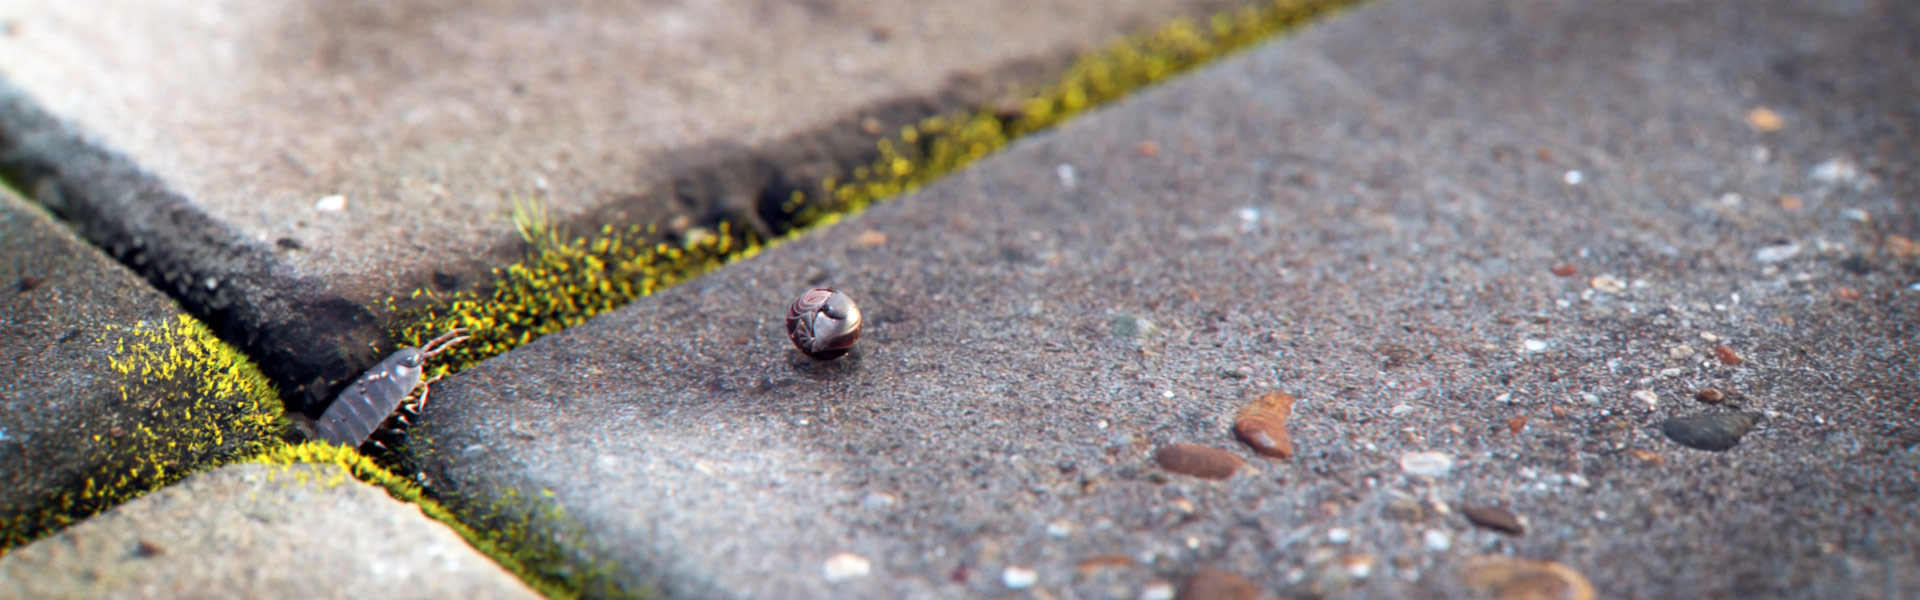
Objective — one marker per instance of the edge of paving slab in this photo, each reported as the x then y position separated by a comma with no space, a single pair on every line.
174,397
310,340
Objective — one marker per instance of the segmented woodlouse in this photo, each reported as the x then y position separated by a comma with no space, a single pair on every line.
376,395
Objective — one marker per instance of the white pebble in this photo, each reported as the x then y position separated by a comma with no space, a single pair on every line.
846,565
1339,535
1709,336
1157,590
1777,252
1647,397
1067,177
1401,409
333,203
1854,214
1534,345
1059,529
1573,177
1019,578
1680,352
1436,540
1578,480
1426,464
1608,284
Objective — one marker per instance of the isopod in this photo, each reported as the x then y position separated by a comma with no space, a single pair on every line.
823,323
360,409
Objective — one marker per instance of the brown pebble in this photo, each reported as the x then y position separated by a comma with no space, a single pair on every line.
1764,120
1901,246
871,126
1648,456
1847,293
870,239
1517,424
1215,584
1495,518
1791,203
146,549
1105,561
1520,579
1198,461
1560,412
1149,149
1711,396
1262,425
1727,356
1565,270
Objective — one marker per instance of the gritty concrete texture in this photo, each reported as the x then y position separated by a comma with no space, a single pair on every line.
258,531
1480,230
84,417
289,165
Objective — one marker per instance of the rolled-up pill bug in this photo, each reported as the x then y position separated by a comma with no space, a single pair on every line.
823,323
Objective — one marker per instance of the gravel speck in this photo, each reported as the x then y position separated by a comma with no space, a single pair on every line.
1680,352
846,565
1436,540
1495,518
1426,464
1727,356
1773,253
1608,284
331,204
1519,579
1710,396
1215,584
1018,578
1648,398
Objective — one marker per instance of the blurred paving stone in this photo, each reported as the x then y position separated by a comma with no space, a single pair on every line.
258,531
287,166
1369,215
73,426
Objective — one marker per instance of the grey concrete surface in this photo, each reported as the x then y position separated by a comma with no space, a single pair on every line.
287,166
258,531
67,416
1507,233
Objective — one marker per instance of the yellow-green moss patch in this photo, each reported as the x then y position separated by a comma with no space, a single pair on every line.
186,400
519,533
565,281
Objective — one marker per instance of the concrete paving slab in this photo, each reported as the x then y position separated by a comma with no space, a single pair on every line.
258,531
1491,247
287,166
107,389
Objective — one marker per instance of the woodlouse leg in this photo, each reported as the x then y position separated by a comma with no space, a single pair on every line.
445,341
426,387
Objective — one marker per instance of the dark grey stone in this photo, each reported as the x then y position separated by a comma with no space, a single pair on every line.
1713,431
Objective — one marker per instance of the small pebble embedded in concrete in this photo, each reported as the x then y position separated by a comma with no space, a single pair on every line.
1262,425
1019,578
1648,398
1495,518
1779,252
1533,345
1198,461
331,204
1764,120
1608,284
1565,270
1573,177
1435,540
1711,396
1339,535
844,566
1506,578
1727,356
1426,464
1680,352
1712,432
1157,590
1215,584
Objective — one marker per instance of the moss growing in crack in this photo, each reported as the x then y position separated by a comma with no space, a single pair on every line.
944,144
563,282
186,401
523,535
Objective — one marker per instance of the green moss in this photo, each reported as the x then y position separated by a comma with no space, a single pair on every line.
566,280
524,535
186,401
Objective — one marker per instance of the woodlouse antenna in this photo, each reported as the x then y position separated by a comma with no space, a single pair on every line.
445,341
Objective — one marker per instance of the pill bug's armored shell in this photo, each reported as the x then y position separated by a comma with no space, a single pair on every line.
363,406
823,323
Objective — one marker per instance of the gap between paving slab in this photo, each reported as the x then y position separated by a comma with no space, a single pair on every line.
202,165
1368,215
107,389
